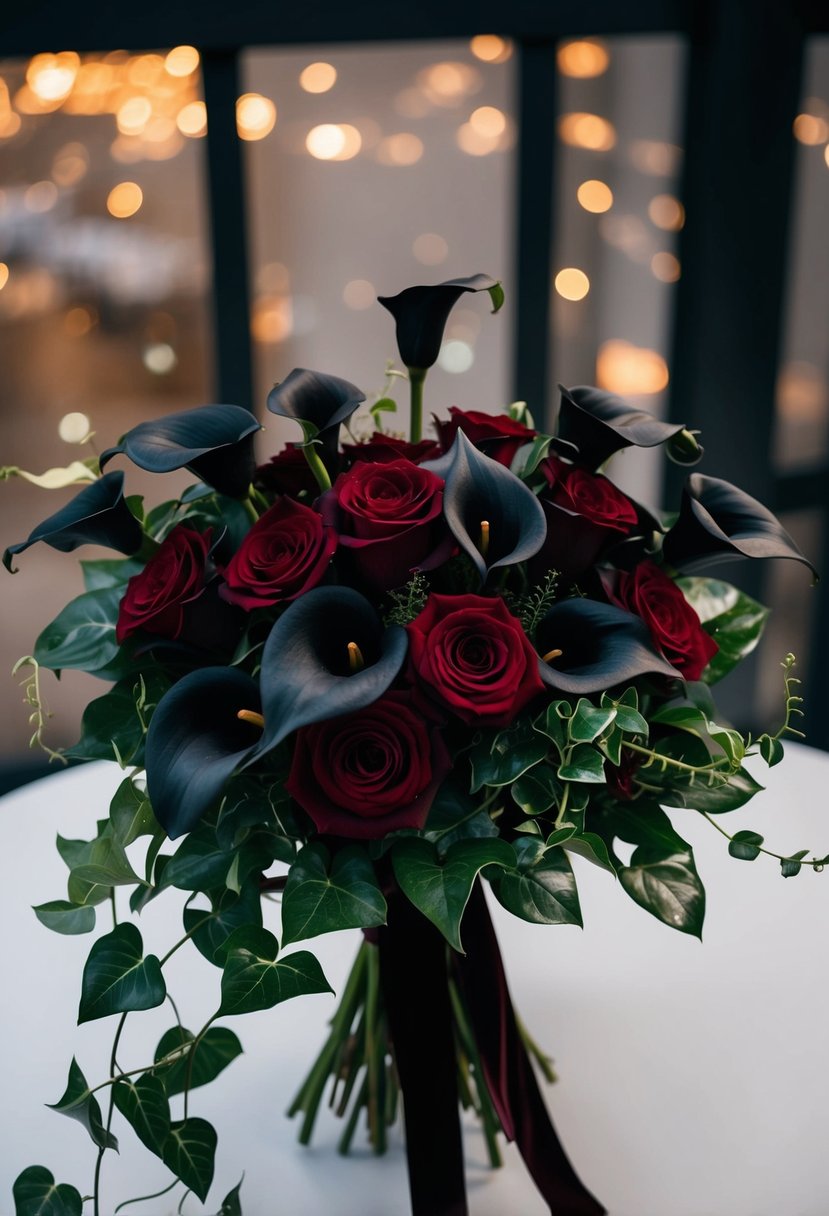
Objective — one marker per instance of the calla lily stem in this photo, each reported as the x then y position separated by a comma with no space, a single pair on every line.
417,376
317,467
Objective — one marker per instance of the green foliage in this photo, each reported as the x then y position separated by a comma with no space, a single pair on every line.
499,759
734,620
229,910
326,893
666,885
745,845
533,606
408,601
39,715
143,1103
78,1102
456,815
110,572
37,1194
189,1151
540,888
82,635
114,726
254,979
65,917
117,978
198,1060
231,1204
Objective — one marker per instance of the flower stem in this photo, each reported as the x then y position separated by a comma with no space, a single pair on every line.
316,466
417,376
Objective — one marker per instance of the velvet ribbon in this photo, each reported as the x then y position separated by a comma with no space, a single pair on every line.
415,976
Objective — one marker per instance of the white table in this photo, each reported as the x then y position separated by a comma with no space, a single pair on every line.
692,1076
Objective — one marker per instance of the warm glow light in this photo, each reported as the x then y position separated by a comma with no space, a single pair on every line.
666,212
430,249
595,196
333,141
255,116
628,233
9,124
802,393
654,157
77,323
4,275
359,294
446,84
271,320
27,101
811,129
490,48
488,120
622,367
133,115
74,427
572,284
665,267
192,119
473,143
582,130
402,149
182,61
124,200
582,59
826,155
70,164
412,103
318,77
273,278
159,358
40,197
144,70
50,77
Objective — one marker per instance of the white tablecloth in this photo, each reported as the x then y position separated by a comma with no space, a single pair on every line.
693,1077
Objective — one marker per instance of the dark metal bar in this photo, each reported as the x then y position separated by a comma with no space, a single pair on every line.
228,230
803,489
534,223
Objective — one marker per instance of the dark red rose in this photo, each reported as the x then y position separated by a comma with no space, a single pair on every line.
496,435
649,593
585,514
390,519
588,494
285,554
287,472
383,447
175,576
473,656
371,772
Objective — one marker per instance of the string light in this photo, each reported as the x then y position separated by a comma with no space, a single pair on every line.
595,196
124,200
622,367
333,141
191,119
572,284
318,77
490,48
582,130
182,61
255,116
582,59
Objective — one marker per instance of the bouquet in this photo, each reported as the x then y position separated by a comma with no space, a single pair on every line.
364,680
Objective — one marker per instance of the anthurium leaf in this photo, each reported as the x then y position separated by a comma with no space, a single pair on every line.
98,515
719,522
82,636
306,675
117,978
456,816
189,1151
440,888
541,888
109,572
500,759
479,489
325,893
745,845
65,917
143,1103
79,1103
598,424
232,1204
537,790
733,619
217,1048
589,721
214,441
601,645
666,885
421,313
230,910
130,813
37,1194
254,979
584,763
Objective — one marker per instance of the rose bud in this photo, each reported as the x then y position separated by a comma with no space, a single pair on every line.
674,625
500,437
369,773
285,554
474,658
155,598
390,519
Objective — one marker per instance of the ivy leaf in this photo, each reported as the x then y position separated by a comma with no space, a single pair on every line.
733,619
64,917
253,979
696,722
790,866
583,763
641,822
541,889
499,760
106,863
668,886
553,723
738,789
144,1105
117,979
231,1204
592,848
323,894
771,749
82,636
189,1151
79,1103
441,888
745,845
198,864
229,911
217,1048
37,1194
130,813
456,816
588,721
537,790
628,718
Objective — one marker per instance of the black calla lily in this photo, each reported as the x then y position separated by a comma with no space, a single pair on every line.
600,646
491,513
718,522
98,515
196,741
327,655
421,314
319,403
599,424
214,441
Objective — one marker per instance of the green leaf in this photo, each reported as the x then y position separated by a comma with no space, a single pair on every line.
667,886
37,1194
537,790
583,763
790,866
738,789
217,1048
499,760
441,888
144,1105
198,864
745,845
553,723
592,848
694,720
771,750
101,575
117,979
325,893
253,979
232,1204
542,887
229,912
82,636
64,917
456,816
130,813
78,1103
189,1151
111,728
588,721
383,405
529,456
106,864
641,822
733,619
628,718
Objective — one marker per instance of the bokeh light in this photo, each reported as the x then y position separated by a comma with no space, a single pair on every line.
318,77
182,61
623,368
401,149
124,200
4,275
488,121
665,267
271,320
666,212
74,428
430,249
159,358
456,356
583,130
582,59
595,196
40,197
333,141
447,83
255,116
78,321
191,119
811,129
359,294
490,48
572,283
